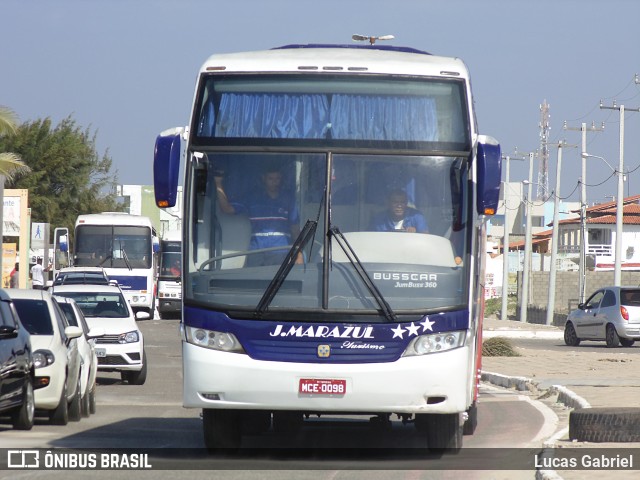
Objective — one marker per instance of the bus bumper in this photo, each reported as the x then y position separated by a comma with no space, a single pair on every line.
436,383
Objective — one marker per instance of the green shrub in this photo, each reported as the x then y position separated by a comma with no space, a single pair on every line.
493,306
498,347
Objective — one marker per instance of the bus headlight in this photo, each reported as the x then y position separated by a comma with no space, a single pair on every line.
138,299
434,343
223,341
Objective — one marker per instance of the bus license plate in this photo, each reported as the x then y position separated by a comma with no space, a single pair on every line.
322,386
101,352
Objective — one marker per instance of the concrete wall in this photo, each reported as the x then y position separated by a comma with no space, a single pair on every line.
566,295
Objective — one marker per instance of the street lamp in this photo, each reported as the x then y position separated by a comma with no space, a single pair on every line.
617,272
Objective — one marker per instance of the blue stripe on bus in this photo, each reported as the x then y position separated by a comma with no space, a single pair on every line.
130,283
308,342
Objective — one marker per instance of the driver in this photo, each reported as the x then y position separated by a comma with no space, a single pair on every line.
399,216
273,214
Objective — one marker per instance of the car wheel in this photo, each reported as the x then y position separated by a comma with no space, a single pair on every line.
570,337
92,400
60,416
613,340
626,342
22,418
75,406
137,378
85,408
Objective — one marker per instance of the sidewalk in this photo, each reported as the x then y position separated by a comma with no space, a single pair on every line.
586,374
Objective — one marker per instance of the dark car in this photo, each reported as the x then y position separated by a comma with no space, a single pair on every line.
81,276
16,367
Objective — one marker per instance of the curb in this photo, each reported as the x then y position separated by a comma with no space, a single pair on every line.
566,397
515,333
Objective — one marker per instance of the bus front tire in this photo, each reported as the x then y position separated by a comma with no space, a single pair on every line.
470,425
221,429
444,431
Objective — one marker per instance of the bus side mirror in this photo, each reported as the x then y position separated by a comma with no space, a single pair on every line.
166,167
489,171
64,243
156,245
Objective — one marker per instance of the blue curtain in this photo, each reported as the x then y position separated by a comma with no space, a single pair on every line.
399,118
272,116
207,120
349,117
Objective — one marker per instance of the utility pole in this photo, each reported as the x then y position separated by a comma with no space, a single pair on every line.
505,239
551,297
524,305
582,273
617,273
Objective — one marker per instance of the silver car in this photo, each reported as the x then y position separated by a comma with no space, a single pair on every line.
87,351
611,314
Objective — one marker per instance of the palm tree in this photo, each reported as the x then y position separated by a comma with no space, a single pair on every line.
10,163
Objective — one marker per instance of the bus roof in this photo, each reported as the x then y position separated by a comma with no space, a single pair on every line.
336,59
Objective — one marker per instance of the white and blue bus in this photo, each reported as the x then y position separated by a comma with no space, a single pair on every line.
169,289
304,294
126,247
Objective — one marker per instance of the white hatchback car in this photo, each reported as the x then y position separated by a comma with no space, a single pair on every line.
611,314
121,348
86,347
55,355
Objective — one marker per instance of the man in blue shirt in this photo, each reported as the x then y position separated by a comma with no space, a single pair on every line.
399,216
273,214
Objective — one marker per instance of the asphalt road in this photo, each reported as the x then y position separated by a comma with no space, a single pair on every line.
151,416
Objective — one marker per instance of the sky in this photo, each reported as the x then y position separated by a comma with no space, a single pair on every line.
126,69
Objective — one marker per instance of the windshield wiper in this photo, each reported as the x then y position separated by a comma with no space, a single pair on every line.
125,257
344,244
287,264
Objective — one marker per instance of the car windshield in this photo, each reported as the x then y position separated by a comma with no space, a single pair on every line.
34,315
77,278
99,304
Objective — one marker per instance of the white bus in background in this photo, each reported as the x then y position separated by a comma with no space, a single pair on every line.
126,247
351,318
169,302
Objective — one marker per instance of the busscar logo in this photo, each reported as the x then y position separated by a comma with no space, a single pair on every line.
23,459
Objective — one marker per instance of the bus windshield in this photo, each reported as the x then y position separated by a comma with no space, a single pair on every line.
111,246
386,229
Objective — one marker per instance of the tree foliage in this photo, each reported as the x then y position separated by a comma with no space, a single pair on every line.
10,163
68,177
